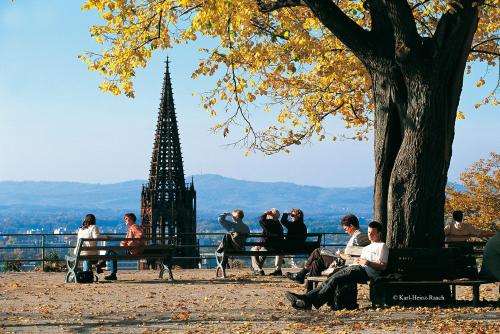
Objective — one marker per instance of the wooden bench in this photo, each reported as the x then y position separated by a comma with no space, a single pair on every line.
312,242
162,253
422,272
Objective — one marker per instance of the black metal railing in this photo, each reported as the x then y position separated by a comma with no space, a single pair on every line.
30,250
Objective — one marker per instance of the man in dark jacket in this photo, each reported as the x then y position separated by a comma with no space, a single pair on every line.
272,236
295,237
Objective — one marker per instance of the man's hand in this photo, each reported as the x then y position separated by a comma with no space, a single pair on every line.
343,255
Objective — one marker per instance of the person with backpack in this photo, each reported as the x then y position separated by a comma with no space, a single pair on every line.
371,263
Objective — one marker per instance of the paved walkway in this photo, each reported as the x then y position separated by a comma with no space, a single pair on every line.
197,302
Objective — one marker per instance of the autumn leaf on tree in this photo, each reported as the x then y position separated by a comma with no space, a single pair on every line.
479,199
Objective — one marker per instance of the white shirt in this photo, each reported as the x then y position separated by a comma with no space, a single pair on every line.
91,232
460,231
375,252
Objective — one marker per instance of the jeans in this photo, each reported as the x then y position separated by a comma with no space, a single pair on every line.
87,265
113,264
324,293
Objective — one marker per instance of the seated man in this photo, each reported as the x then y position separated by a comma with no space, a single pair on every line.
296,234
238,230
323,260
372,261
134,231
458,231
272,236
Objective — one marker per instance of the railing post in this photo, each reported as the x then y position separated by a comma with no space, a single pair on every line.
43,252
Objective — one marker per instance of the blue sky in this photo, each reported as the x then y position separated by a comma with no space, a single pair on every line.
55,124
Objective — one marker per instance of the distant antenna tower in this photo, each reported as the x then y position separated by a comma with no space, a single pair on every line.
168,204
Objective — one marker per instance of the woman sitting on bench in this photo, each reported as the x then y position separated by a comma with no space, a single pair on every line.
88,230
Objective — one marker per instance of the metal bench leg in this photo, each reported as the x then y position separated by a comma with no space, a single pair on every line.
166,265
219,257
475,295
162,269
453,293
170,264
71,274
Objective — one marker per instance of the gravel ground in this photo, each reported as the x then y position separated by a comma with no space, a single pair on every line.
197,302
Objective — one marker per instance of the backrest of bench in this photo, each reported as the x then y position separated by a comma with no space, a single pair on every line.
433,264
147,248
312,242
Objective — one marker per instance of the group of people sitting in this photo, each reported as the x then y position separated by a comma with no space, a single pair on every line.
89,230
272,235
364,257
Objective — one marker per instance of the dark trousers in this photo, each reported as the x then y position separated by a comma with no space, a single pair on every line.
324,293
316,262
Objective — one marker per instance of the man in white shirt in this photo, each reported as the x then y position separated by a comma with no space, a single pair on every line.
371,263
458,231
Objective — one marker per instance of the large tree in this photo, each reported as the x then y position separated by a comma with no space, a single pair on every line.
393,65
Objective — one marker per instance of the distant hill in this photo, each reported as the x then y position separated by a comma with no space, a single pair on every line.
215,193
40,203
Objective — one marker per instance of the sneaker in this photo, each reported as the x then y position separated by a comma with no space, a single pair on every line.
295,278
111,277
276,273
298,301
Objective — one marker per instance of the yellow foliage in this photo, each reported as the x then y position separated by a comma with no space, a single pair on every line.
480,199
285,61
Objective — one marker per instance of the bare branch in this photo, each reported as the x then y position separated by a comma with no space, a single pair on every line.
485,52
266,6
151,39
484,42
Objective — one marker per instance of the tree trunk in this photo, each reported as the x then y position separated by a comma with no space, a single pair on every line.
390,98
415,205
416,104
